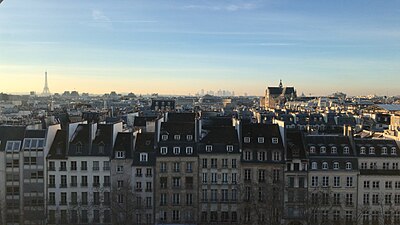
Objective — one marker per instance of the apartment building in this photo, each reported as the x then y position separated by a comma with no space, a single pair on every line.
143,177
219,170
262,167
296,179
176,171
378,181
79,174
332,179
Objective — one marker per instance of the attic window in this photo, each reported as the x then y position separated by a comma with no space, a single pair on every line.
177,150
120,155
79,148
346,150
333,150
101,148
260,140
322,149
189,150
143,157
312,149
13,146
229,148
208,148
371,150
246,139
189,137
164,137
275,140
393,151
177,137
164,150
362,150
384,151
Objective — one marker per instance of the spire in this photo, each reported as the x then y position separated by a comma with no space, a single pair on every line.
46,90
280,84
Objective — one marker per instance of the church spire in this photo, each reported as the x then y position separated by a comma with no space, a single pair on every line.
280,84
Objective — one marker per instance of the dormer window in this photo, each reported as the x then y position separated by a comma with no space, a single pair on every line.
384,151
260,140
246,140
189,150
189,137
101,148
362,150
229,148
371,150
393,151
276,156
143,157
333,150
348,166
247,155
13,146
312,149
164,137
177,137
314,165
275,140
177,150
163,150
335,165
79,148
324,165
346,150
120,155
208,148
322,149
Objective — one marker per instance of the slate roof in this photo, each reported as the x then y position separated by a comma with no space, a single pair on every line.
181,117
268,131
145,142
329,141
377,144
11,133
140,121
58,149
295,143
124,142
219,138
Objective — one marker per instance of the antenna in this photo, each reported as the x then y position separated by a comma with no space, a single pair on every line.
46,90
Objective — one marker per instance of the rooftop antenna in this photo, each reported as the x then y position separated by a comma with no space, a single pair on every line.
46,90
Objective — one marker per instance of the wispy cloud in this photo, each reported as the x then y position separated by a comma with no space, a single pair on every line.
225,7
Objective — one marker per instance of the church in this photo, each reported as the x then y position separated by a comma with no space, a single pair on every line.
275,97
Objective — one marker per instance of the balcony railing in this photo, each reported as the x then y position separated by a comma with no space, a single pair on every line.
106,184
63,168
74,184
63,185
84,184
106,168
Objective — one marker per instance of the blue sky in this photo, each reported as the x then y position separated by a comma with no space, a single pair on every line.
180,47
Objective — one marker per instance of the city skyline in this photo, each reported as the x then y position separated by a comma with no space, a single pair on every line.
179,47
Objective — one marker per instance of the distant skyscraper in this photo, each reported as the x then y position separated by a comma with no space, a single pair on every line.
46,90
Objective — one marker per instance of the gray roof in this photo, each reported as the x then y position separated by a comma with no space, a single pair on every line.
390,107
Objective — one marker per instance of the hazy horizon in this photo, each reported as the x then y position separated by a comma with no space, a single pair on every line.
179,47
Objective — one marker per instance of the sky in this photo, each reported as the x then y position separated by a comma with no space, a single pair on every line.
183,46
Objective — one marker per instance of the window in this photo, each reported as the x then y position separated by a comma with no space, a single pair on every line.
335,165
384,151
96,166
224,163
385,165
229,148
247,155
234,178
346,150
177,150
262,155
189,167
375,184
322,149
83,165
324,165
325,181
375,199
177,137
393,151
349,182
208,148
349,199
214,163
101,148
13,146
120,169
276,156
366,199
120,155
314,181
333,150
189,137
233,163
362,150
363,165
79,148
312,149
164,137
246,139
275,140
176,166
366,184
164,150
260,140
371,150
336,181
143,157
314,165
247,174
189,150
348,166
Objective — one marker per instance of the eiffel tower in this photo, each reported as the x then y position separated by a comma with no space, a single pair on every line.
46,91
